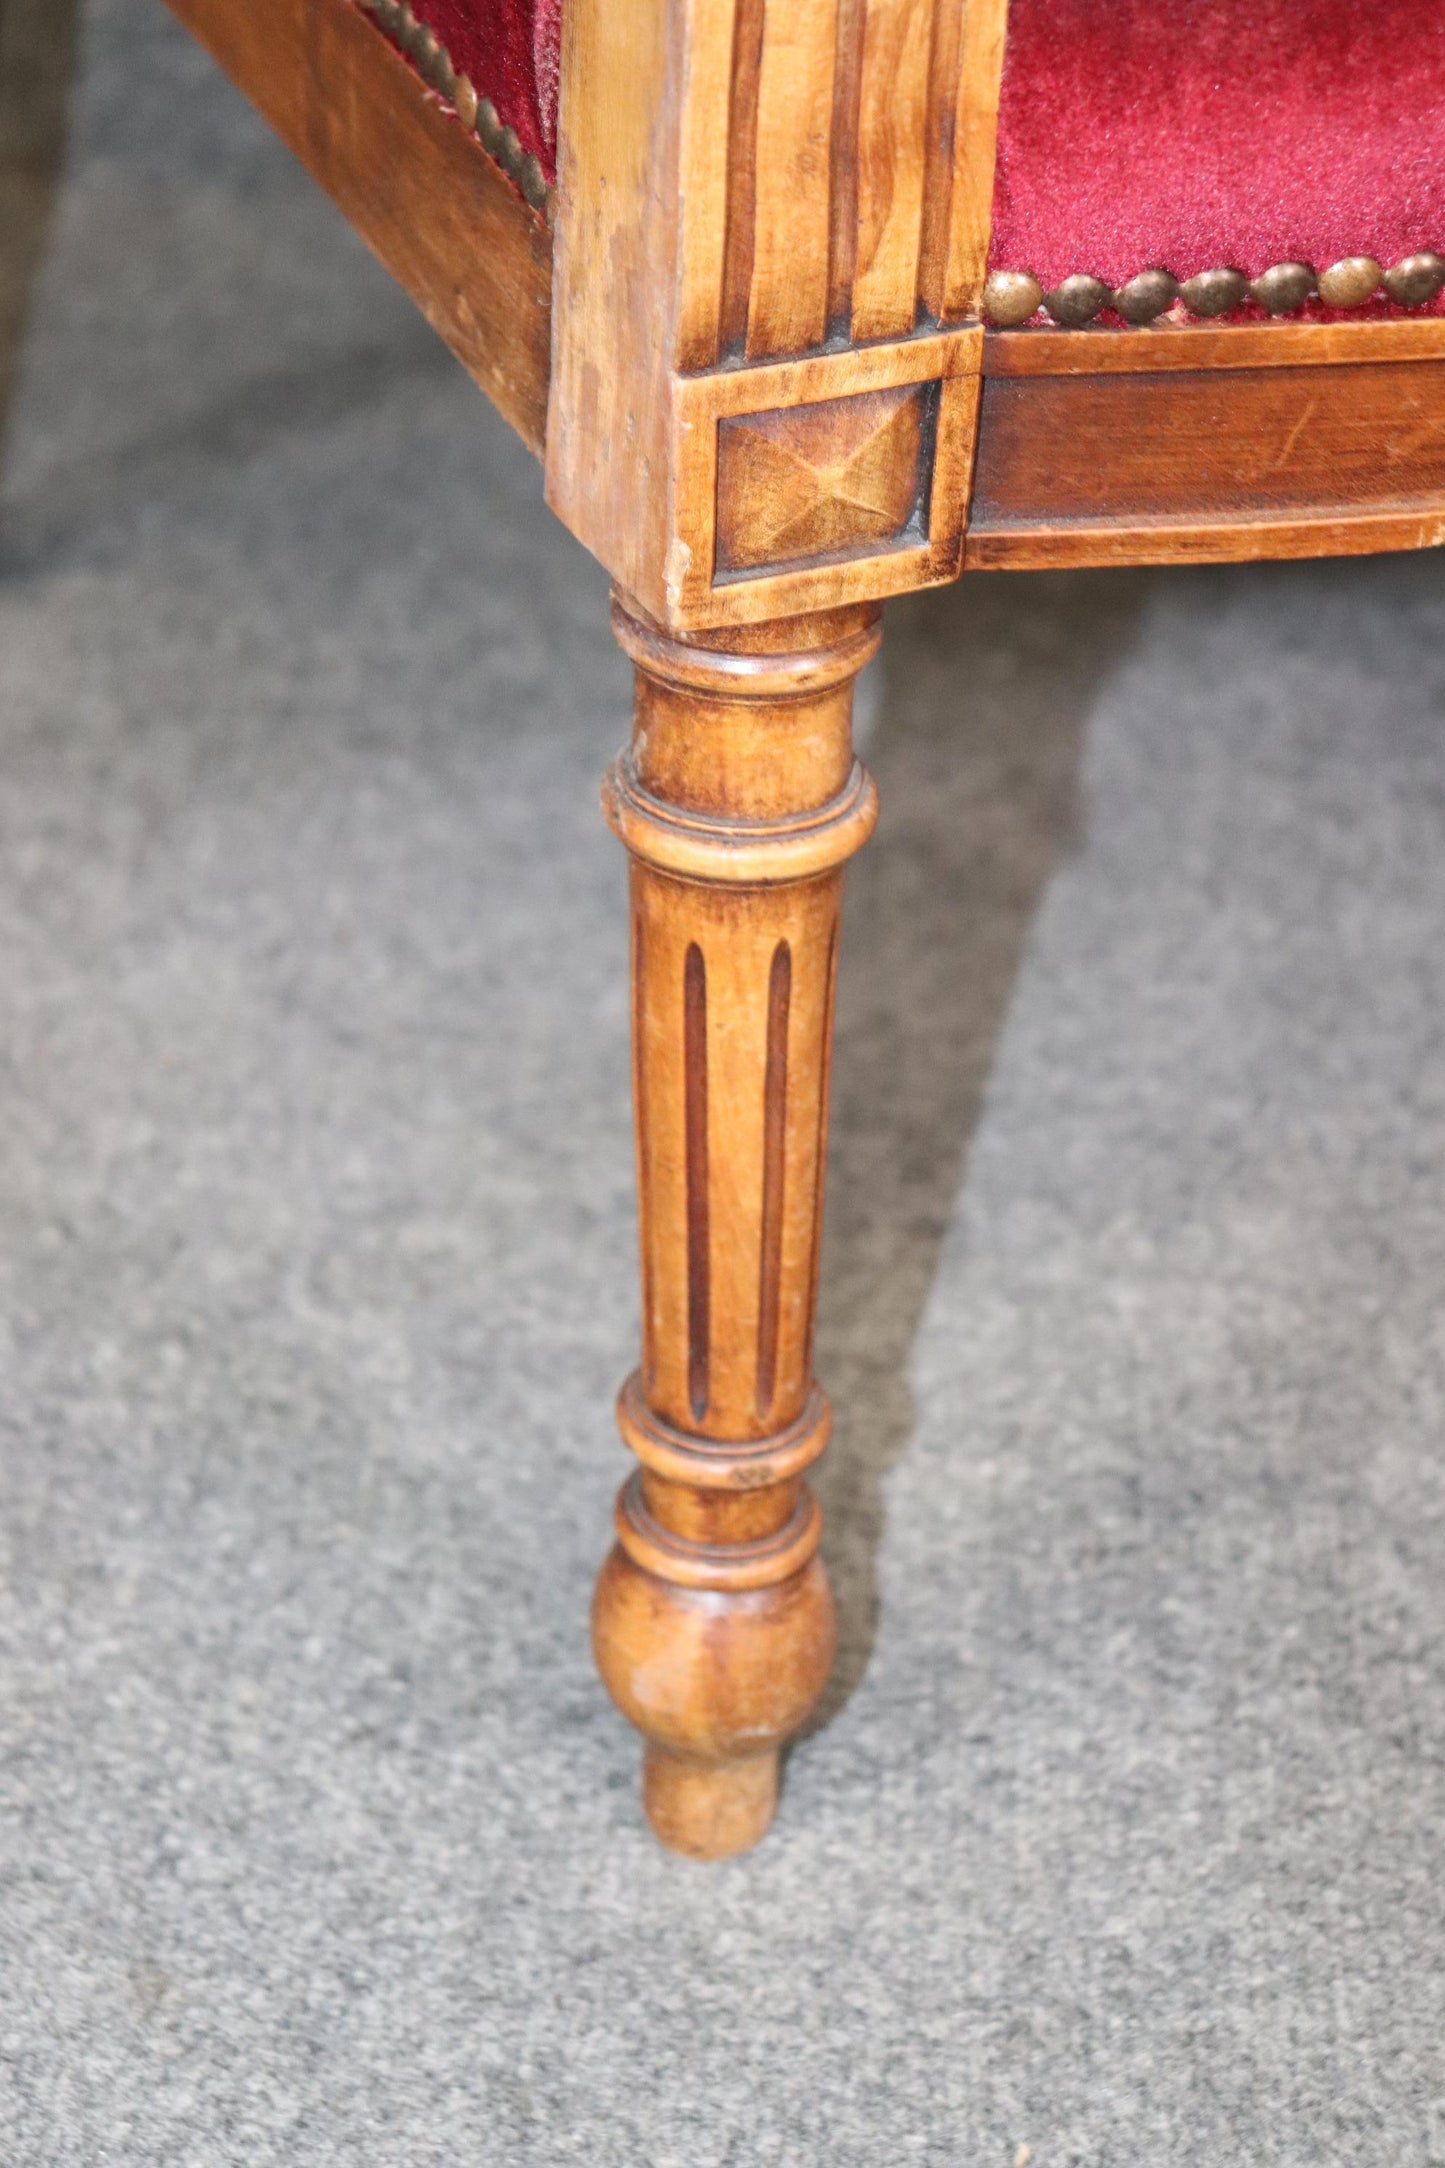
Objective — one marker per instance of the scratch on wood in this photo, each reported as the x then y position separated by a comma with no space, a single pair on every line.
1287,454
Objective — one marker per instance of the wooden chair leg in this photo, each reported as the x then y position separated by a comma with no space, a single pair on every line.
739,801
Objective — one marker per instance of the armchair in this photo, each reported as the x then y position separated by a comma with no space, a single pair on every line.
802,304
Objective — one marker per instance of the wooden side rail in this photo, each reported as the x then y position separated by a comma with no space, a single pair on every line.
1198,445
416,185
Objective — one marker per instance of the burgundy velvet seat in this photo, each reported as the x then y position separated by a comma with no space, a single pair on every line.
508,51
1200,134
1135,135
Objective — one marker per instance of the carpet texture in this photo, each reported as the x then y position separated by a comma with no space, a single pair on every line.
1119,1840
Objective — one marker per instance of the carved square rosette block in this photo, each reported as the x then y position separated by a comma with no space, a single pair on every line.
795,494
814,484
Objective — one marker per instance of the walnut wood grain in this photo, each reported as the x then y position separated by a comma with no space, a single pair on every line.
1209,465
1202,542
843,153
738,210
789,182
626,310
740,803
712,259
891,135
1211,346
962,141
417,187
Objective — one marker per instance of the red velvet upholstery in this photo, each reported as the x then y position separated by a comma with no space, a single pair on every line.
1194,133
1135,133
509,49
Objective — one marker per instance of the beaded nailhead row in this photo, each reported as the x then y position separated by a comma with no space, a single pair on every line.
434,64
1012,297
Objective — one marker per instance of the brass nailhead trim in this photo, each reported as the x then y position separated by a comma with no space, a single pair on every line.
1076,301
477,115
1214,293
1013,297
533,181
1346,285
1147,295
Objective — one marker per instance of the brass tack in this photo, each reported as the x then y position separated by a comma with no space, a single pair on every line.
509,152
1284,286
1147,295
489,128
1415,279
406,24
533,181
425,46
443,74
1077,300
1012,297
1349,283
1214,293
464,98
388,14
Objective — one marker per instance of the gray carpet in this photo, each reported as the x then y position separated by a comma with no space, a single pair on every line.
1119,1839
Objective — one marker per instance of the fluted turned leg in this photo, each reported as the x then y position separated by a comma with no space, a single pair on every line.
740,801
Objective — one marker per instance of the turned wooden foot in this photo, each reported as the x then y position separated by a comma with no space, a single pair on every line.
740,802
709,1809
